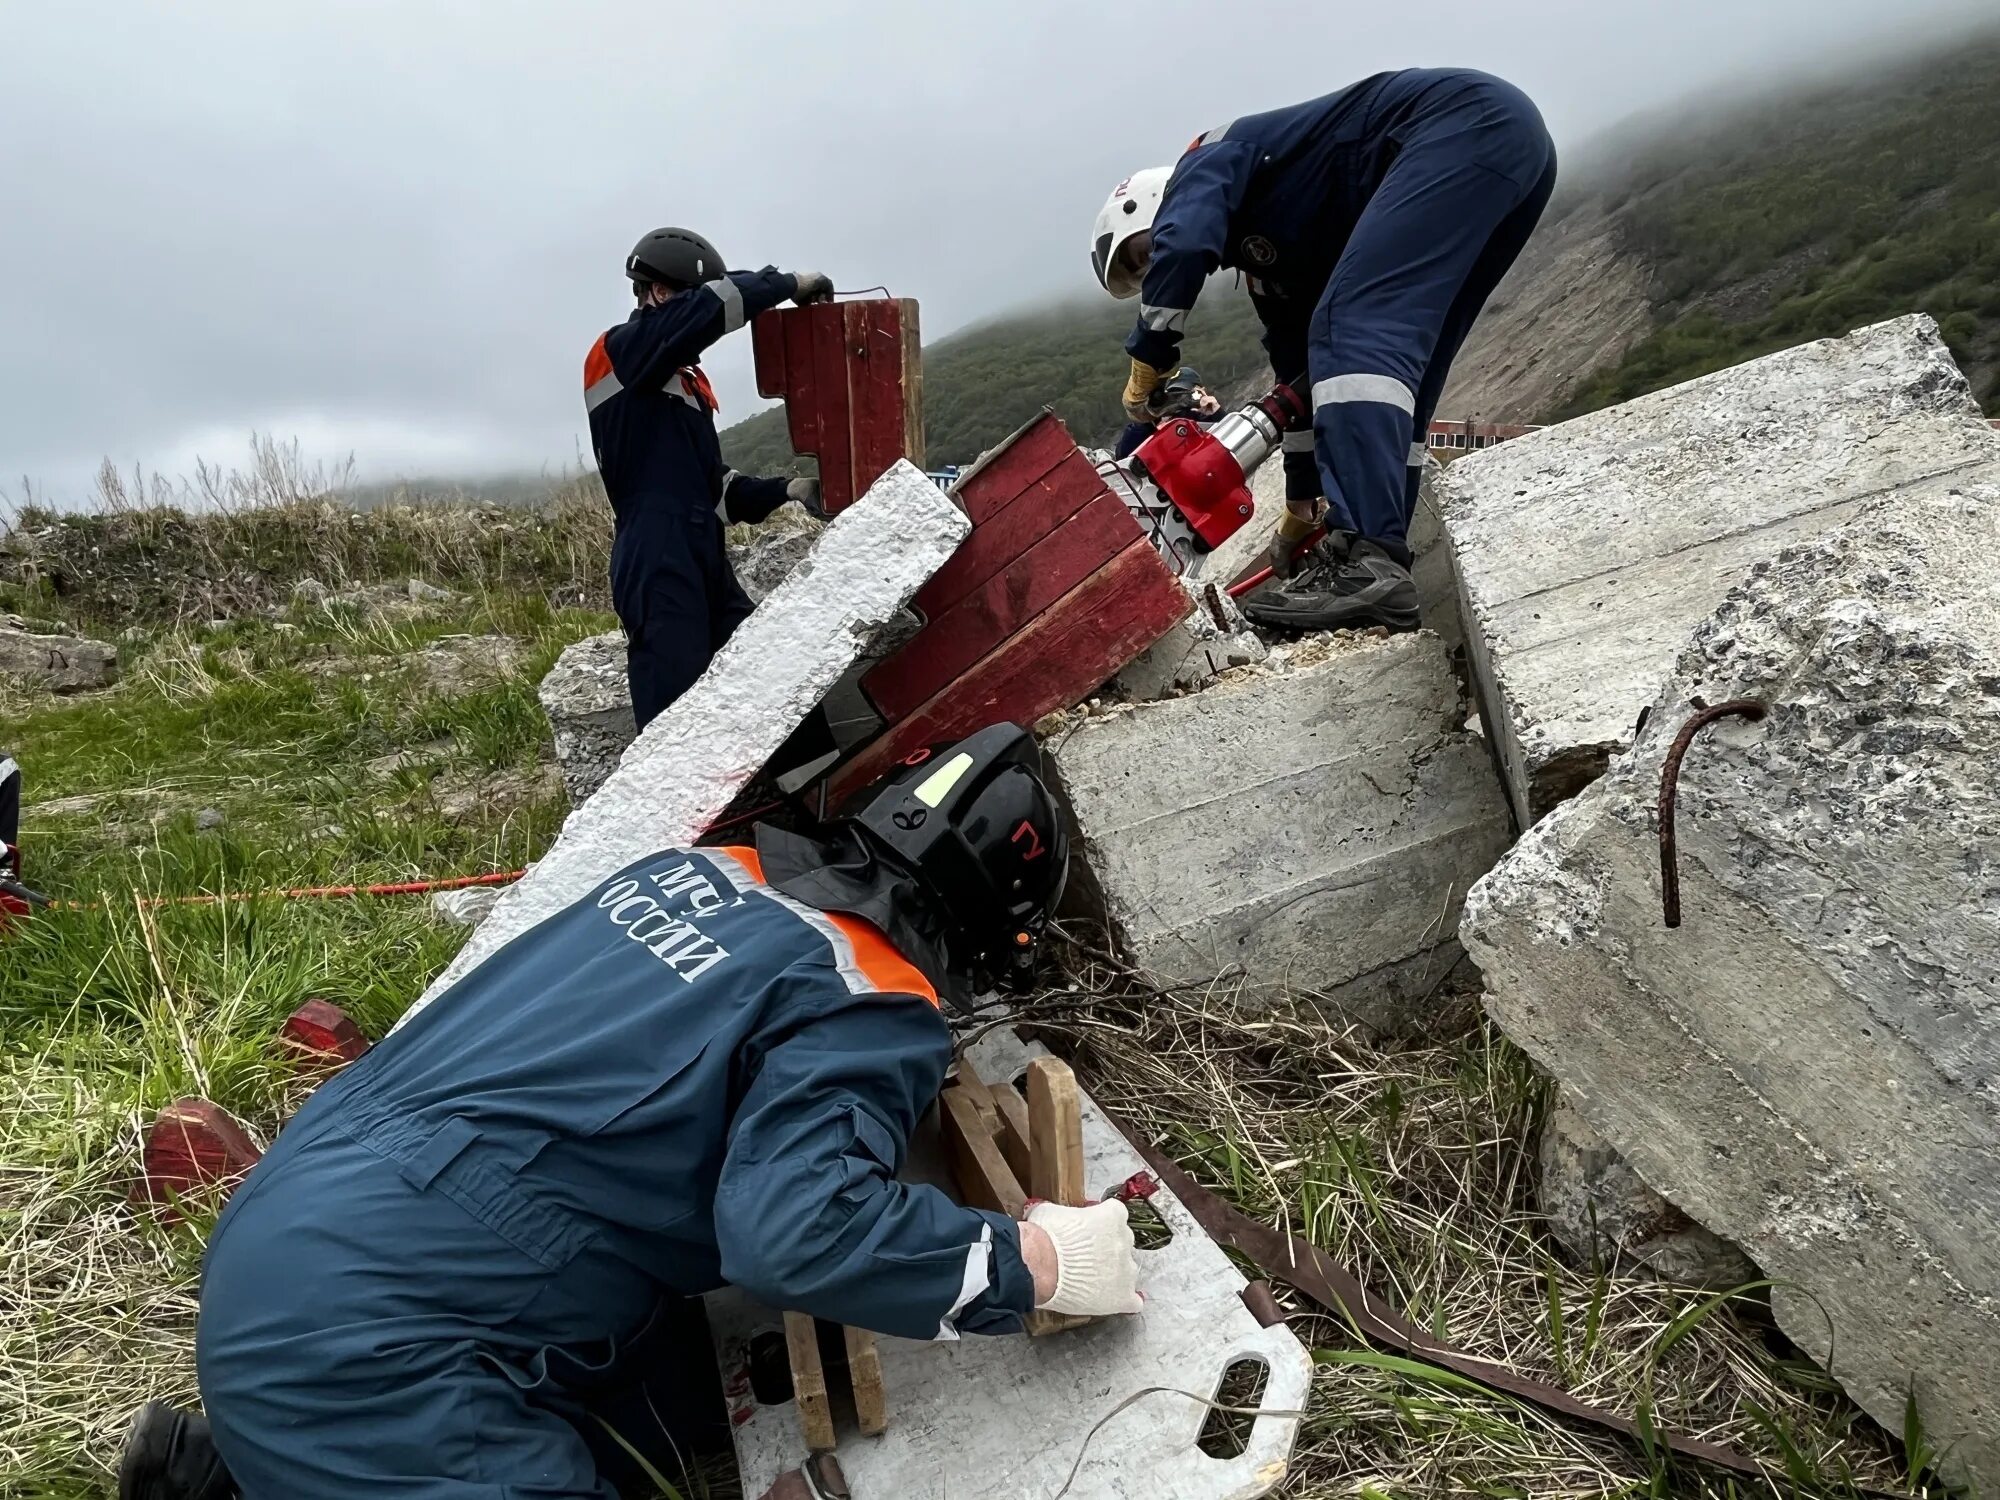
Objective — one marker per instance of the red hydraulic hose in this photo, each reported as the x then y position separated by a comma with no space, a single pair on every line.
350,892
1262,575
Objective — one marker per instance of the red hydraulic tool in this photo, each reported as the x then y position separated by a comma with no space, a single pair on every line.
1188,484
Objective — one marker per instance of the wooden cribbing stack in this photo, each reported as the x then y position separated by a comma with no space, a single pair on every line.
998,1141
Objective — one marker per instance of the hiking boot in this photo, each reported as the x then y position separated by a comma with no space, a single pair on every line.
169,1455
1343,583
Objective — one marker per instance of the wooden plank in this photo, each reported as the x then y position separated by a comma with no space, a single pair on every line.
1067,651
803,410
864,1372
880,397
834,392
999,608
1004,536
809,1383
1014,1129
1055,1133
911,331
983,1176
1025,458
982,1097
767,352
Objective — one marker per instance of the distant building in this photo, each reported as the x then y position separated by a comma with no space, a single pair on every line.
1454,437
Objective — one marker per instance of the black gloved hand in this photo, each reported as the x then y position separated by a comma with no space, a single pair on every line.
812,287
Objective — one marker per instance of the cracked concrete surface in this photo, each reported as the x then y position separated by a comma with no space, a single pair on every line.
1310,824
1586,552
1806,1066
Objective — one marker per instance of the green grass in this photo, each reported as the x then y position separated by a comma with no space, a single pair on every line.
1816,213
334,757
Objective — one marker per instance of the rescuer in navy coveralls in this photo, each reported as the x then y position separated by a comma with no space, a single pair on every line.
706,1070
1371,225
652,427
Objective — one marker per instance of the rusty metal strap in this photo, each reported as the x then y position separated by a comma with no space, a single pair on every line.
1319,1276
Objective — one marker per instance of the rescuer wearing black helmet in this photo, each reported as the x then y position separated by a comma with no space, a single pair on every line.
705,1071
652,427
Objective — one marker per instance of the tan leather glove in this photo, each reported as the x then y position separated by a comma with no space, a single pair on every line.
1139,387
1300,519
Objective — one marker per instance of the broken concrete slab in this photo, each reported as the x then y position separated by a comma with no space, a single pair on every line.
1806,1065
680,775
60,663
1586,552
1310,824
589,705
1213,638
1602,1212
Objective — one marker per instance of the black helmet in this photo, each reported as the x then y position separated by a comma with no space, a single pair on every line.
678,257
976,826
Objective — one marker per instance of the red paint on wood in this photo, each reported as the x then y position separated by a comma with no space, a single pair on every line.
1006,602
1008,533
881,430
848,375
196,1152
1026,457
1069,649
322,1032
833,390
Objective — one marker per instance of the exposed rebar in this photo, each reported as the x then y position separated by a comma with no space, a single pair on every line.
1752,709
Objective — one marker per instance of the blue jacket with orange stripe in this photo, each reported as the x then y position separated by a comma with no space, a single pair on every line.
652,419
716,1083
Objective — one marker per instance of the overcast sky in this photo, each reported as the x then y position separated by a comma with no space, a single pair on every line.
394,228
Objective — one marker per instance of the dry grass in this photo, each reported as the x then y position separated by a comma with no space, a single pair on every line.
1415,1167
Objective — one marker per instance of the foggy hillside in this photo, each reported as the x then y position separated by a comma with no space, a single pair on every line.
1680,244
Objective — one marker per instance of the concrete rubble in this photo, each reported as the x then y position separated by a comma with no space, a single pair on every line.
1310,824
59,663
1806,1065
1586,552
1602,1212
466,908
1213,638
589,705
682,773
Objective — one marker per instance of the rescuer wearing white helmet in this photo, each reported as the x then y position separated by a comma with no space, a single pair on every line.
1371,226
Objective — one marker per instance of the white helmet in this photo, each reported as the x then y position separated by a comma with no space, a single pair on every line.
1133,205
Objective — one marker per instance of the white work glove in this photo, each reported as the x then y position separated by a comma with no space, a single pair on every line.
812,287
1096,1272
805,493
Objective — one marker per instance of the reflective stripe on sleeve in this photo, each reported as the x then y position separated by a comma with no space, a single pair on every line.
732,302
1163,319
1210,137
977,1278
1300,440
595,395
729,477
1387,389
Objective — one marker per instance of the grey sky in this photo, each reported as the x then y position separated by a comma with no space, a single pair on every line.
394,228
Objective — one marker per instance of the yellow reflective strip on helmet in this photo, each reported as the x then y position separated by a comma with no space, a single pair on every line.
937,786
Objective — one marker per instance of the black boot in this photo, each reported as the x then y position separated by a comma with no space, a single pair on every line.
169,1455
1344,583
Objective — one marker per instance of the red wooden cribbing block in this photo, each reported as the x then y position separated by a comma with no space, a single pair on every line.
195,1152
1054,591
848,373
321,1032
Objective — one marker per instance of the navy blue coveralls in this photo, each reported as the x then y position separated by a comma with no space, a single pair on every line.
652,426
1372,226
683,1079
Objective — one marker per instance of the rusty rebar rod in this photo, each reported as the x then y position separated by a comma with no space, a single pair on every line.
1752,709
